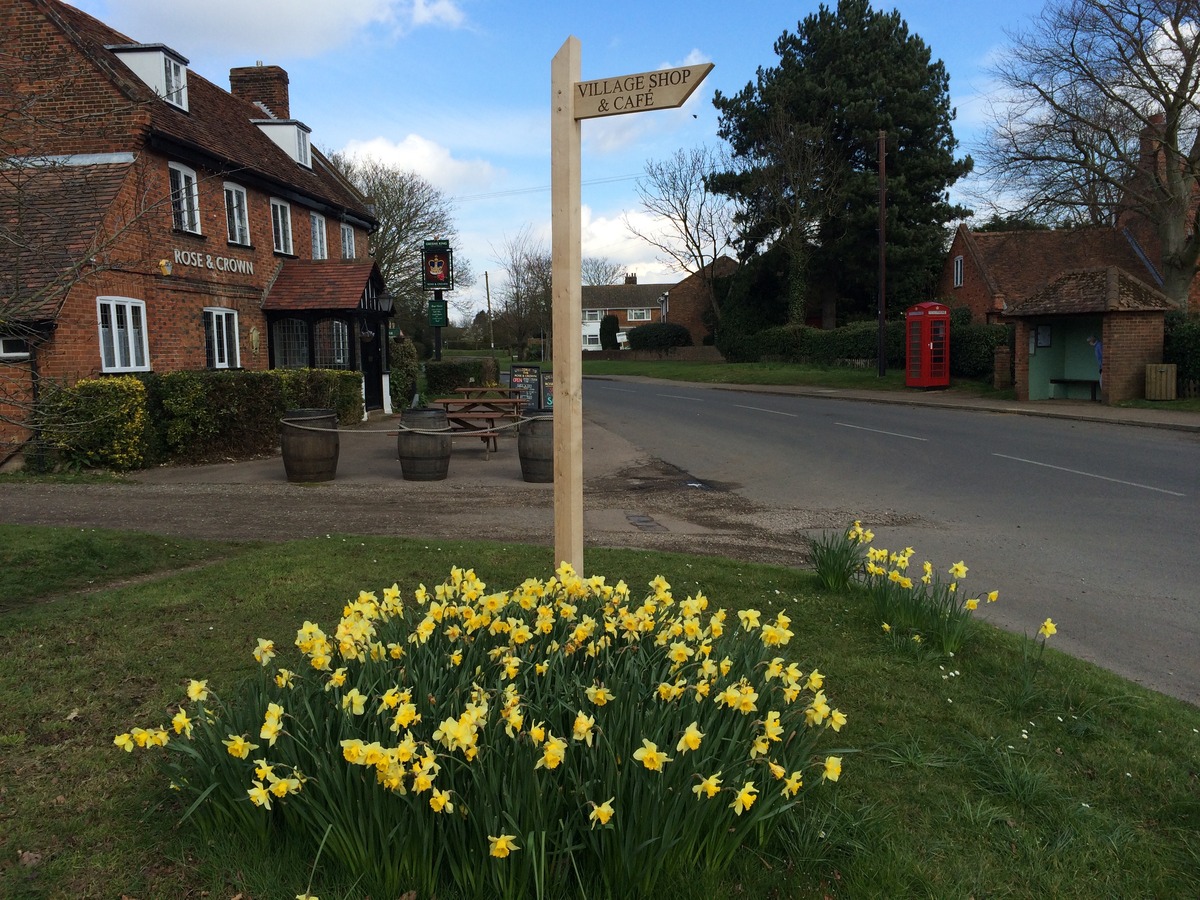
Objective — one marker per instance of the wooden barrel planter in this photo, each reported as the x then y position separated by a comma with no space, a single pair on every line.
309,441
535,446
423,444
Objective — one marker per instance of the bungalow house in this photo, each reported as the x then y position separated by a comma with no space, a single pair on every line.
686,303
157,222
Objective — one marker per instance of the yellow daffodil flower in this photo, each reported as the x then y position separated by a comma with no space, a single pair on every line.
124,741
837,719
886,628
833,768
582,729
554,751
197,690
504,844
749,618
1048,628
709,787
958,570
182,724
602,813
439,801
599,695
993,596
650,756
239,747
283,678
745,798
259,795
792,784
692,736
354,702
264,652
971,605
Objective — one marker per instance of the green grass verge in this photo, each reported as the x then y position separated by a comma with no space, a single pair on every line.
41,563
956,782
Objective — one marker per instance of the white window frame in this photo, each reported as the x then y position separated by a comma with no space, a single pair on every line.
303,150
591,340
638,315
221,334
237,215
185,198
348,242
175,82
958,271
123,347
319,248
14,347
281,225
592,315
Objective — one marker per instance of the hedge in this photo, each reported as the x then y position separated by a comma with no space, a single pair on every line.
659,336
186,417
444,376
971,346
1182,347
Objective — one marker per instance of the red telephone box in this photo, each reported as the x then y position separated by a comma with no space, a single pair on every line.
927,346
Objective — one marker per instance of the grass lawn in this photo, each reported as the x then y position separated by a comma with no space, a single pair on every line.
956,782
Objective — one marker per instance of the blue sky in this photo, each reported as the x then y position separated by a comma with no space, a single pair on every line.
459,90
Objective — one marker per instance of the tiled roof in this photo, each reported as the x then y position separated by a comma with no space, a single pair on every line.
1020,263
217,123
50,225
318,285
1093,291
622,296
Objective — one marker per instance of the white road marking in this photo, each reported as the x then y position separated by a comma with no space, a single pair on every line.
1145,487
909,437
681,397
774,411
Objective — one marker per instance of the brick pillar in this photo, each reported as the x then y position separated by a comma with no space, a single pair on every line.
1002,368
1021,363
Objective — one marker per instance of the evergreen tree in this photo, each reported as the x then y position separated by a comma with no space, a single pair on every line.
843,77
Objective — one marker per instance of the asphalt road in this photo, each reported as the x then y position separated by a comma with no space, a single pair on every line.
1094,525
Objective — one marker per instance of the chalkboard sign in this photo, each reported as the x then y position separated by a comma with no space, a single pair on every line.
548,391
528,380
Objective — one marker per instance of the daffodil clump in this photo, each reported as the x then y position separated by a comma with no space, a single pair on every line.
560,737
925,610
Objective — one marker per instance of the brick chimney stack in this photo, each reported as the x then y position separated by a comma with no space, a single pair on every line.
631,278
267,85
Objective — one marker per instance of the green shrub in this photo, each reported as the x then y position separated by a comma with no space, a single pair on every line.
1182,346
609,326
97,422
405,370
973,348
661,336
443,377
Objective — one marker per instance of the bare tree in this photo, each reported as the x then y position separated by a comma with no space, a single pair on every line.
525,297
1101,122
601,270
410,211
693,226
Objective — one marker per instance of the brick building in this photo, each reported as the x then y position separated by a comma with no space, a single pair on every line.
685,303
157,222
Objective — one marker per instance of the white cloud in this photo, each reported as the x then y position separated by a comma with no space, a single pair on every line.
272,28
431,161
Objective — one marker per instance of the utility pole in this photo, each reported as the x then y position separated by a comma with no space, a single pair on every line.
491,331
882,343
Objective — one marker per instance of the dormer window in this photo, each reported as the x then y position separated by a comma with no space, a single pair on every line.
291,136
160,67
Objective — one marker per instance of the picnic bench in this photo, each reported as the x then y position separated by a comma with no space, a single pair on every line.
479,414
1093,383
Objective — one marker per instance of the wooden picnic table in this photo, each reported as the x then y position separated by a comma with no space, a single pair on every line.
480,415
476,391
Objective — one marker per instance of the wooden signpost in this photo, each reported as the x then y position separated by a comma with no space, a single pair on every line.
571,101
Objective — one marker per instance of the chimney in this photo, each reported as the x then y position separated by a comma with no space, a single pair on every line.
264,85
631,278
